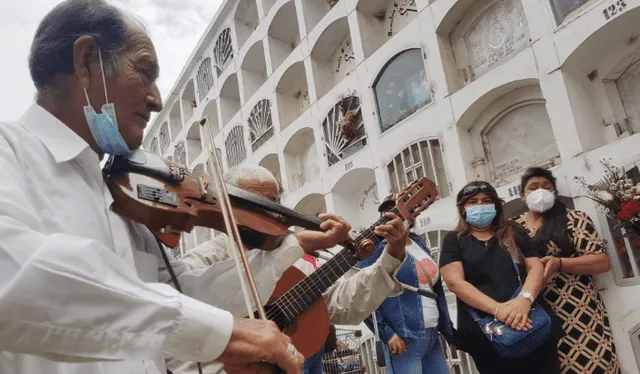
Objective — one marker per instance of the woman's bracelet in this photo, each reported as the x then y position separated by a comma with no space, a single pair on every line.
496,313
560,267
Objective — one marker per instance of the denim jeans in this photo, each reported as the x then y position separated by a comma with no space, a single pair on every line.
313,365
422,356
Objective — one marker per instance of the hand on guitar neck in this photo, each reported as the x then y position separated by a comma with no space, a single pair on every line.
335,230
396,234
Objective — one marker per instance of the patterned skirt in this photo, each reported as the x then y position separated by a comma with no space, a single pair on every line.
587,346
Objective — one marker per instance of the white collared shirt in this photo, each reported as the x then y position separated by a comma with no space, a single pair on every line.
71,296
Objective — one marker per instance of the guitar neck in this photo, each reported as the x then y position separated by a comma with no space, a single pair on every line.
299,298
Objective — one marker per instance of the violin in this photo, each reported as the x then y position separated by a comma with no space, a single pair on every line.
170,200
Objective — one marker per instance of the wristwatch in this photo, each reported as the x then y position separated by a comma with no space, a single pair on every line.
528,296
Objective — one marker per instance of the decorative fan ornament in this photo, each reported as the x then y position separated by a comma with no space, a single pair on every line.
154,145
204,78
236,152
164,137
223,51
343,128
260,124
179,154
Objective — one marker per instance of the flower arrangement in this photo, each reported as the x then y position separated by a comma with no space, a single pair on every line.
617,195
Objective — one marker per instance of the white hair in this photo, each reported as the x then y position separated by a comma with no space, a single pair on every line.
248,172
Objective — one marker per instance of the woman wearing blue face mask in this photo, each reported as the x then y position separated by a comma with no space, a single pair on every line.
477,263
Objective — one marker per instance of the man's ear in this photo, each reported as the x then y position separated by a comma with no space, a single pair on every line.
84,53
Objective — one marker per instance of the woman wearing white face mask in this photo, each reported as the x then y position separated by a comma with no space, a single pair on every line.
574,253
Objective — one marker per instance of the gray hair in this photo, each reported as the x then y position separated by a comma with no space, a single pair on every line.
249,172
51,55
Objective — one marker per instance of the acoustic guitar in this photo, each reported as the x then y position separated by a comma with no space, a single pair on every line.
296,305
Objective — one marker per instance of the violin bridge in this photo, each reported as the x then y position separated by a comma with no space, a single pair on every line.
203,184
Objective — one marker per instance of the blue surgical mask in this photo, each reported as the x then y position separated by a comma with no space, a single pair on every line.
480,215
104,126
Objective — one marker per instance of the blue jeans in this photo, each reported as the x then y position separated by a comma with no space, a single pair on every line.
421,357
313,365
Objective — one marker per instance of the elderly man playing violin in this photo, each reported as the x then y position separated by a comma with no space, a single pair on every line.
81,291
349,300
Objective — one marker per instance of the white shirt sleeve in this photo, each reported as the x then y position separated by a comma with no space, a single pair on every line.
72,299
209,274
351,300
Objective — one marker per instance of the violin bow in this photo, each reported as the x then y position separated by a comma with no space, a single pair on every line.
234,240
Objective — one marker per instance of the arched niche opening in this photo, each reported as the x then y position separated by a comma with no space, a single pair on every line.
332,56
175,120
254,70
602,78
210,127
194,142
245,20
284,34
355,197
312,205
301,159
508,135
424,158
401,88
164,137
292,94
476,37
229,99
223,51
180,153
236,150
564,9
260,124
343,129
314,10
272,163
188,100
267,5
204,78
380,20
154,146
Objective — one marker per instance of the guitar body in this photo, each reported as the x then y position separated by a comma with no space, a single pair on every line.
310,330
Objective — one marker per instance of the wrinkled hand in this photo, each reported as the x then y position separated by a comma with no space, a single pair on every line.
515,314
335,230
551,266
397,345
256,342
396,235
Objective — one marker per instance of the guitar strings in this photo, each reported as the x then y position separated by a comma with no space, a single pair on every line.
285,303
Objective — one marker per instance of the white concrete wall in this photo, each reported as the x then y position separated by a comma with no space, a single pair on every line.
568,67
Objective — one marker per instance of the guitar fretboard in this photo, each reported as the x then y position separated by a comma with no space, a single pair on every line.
302,295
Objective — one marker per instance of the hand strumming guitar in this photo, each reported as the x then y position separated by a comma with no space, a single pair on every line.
255,344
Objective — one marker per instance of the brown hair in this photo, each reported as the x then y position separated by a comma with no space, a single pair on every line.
503,229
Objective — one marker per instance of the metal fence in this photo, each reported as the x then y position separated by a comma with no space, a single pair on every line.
347,358
357,356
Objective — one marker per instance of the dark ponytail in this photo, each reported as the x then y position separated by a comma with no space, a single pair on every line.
554,228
